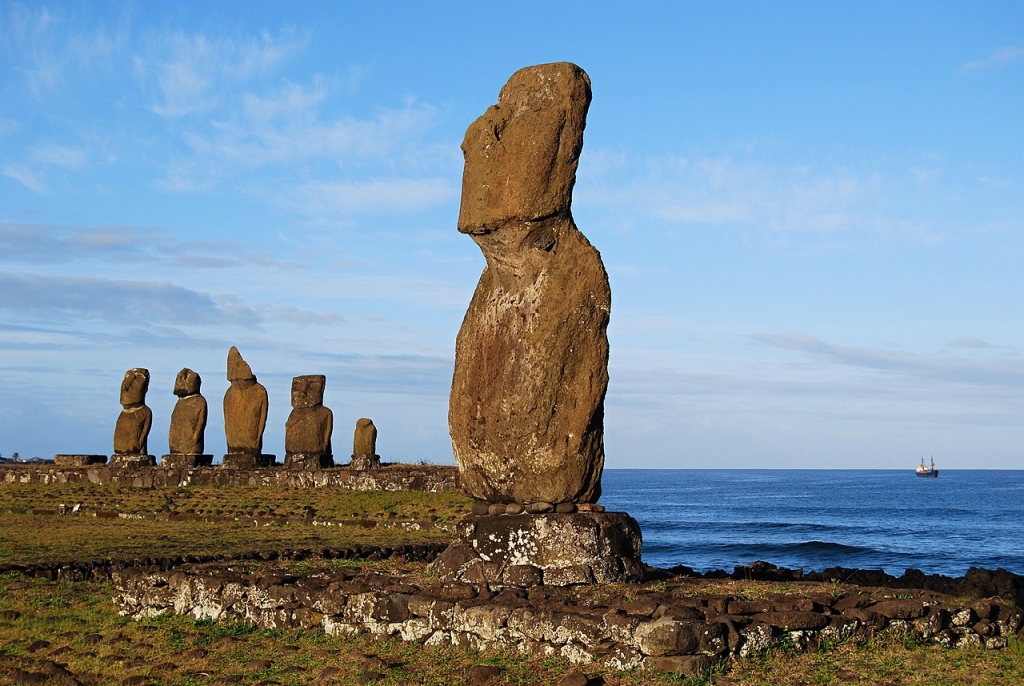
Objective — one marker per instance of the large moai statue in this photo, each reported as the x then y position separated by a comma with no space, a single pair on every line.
245,415
364,446
307,433
526,412
186,436
131,433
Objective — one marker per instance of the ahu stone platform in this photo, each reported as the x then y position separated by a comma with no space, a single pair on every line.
393,477
677,625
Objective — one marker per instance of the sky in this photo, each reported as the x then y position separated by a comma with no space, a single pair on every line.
812,216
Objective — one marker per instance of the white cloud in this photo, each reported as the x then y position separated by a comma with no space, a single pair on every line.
198,69
26,177
8,126
59,156
995,59
342,198
1002,372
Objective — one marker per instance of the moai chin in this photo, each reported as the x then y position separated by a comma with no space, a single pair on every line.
186,436
131,433
364,446
307,433
526,412
245,415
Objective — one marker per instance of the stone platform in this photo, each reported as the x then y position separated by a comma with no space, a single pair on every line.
308,461
549,549
78,460
185,461
677,624
247,461
131,460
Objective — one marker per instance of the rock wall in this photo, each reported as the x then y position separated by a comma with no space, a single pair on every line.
618,626
432,478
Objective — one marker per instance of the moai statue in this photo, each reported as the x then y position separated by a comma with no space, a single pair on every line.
185,439
131,434
526,411
245,416
364,446
307,433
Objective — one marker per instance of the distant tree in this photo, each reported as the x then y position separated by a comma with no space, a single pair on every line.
15,457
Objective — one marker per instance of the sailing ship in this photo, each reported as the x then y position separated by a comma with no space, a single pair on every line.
927,472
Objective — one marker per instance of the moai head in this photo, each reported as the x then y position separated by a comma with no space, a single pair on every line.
134,387
521,154
186,383
308,391
238,369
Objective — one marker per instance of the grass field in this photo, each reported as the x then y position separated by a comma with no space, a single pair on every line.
68,632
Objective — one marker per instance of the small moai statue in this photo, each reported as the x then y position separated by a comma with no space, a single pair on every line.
364,446
245,416
185,439
131,433
307,433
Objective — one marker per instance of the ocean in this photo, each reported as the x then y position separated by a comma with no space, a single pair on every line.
815,519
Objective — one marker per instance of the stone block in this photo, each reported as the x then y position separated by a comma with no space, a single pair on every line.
582,547
132,461
78,460
190,461
363,461
308,461
248,461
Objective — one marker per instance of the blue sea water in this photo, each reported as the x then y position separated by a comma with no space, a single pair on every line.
815,519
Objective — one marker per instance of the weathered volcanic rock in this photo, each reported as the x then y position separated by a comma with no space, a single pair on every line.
131,433
307,433
364,446
565,549
245,408
73,460
188,420
526,412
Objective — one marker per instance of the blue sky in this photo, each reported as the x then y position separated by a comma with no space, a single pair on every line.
812,215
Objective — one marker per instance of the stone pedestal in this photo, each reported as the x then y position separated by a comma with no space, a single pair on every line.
364,461
248,461
304,462
78,460
129,460
544,549
185,461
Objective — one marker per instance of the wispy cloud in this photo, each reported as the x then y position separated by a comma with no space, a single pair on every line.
995,59
1000,372
197,69
62,156
392,196
26,177
727,192
118,301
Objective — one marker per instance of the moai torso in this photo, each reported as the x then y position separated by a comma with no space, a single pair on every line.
245,408
526,412
131,433
188,420
310,424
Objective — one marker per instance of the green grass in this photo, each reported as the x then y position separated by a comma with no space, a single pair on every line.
83,631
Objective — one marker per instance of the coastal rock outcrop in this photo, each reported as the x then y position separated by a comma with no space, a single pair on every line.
526,412
307,433
131,433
